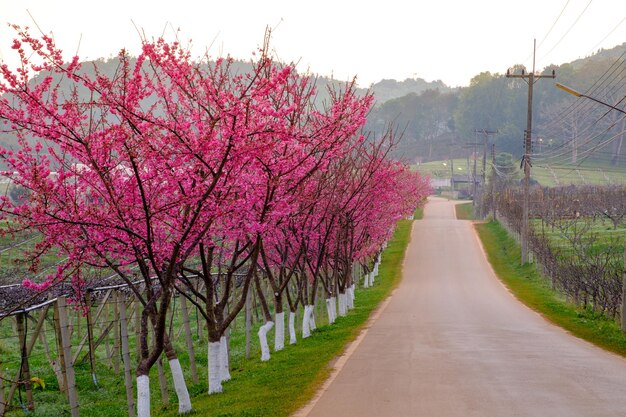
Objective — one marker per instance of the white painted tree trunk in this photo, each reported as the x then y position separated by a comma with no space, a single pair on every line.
292,328
143,396
343,310
265,348
306,329
350,293
215,379
184,403
333,305
279,332
224,365
329,311
366,280
312,324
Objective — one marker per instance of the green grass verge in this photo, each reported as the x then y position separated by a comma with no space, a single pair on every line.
442,169
527,284
289,380
418,214
464,211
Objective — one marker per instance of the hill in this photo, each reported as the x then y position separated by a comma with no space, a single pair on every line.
386,90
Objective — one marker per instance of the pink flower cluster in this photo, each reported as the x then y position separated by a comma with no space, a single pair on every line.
167,155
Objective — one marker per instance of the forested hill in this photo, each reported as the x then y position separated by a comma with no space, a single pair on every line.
438,122
601,55
386,90
442,123
383,90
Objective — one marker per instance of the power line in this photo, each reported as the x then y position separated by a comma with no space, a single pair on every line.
531,79
610,83
609,34
568,31
553,25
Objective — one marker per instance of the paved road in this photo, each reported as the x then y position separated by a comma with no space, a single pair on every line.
453,342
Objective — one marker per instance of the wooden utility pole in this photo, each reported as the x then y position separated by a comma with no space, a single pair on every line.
530,79
493,180
452,174
474,188
486,133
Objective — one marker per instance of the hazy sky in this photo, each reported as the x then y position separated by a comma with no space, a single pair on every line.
451,40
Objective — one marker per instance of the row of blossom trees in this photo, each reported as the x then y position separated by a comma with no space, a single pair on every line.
178,171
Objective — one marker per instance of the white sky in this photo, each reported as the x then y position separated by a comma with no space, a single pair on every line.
451,40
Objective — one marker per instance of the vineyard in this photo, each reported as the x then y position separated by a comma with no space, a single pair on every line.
101,343
577,238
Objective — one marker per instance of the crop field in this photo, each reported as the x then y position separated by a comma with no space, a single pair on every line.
601,232
548,176
100,379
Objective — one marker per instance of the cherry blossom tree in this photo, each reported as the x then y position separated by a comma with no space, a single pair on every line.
199,179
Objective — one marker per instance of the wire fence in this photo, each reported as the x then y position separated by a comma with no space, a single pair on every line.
55,347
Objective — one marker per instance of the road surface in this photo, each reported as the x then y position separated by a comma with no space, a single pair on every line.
452,341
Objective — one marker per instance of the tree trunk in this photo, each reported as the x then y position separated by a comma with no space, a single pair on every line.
265,349
312,324
184,402
279,331
265,328
343,303
350,300
292,328
330,310
215,380
306,316
224,362
143,395
279,320
180,386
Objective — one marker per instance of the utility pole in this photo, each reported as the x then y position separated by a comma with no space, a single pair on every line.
452,174
493,180
474,188
530,79
486,134
469,174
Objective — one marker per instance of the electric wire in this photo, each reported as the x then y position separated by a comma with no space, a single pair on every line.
553,25
592,90
567,31
611,83
554,152
609,34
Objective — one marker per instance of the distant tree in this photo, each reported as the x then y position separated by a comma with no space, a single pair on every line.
507,169
19,194
421,118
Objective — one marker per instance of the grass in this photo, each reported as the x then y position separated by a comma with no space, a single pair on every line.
273,388
601,229
288,381
418,214
589,172
527,284
442,169
464,211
